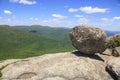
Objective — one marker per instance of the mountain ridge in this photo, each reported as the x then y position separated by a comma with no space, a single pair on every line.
21,44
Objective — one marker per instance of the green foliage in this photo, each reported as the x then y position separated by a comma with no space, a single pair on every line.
58,34
0,74
2,69
15,43
114,42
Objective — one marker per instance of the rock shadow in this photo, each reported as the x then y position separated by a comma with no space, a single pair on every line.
93,56
112,74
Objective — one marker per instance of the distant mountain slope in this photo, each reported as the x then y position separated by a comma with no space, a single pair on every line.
53,33
110,33
20,44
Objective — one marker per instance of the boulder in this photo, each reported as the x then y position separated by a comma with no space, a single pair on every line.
88,40
117,49
60,66
113,66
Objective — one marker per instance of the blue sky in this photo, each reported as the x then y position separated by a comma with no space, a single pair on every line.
104,14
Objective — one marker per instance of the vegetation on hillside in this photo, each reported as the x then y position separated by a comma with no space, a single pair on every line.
21,44
58,34
114,42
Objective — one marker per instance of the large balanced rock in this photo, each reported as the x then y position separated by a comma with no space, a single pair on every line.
88,40
113,66
60,66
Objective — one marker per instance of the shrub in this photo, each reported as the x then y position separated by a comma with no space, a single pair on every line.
114,42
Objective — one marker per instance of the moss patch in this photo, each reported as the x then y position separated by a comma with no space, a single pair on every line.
2,69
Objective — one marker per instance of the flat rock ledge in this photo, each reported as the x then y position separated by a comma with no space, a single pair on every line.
60,66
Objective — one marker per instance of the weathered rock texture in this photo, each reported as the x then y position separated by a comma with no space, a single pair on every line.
88,40
60,66
112,52
108,52
113,67
117,49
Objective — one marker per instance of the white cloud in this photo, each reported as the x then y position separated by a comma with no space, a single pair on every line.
58,23
0,17
73,10
7,12
104,19
36,18
66,6
8,20
52,21
27,2
58,16
83,20
116,18
33,18
110,20
90,10
79,16
13,0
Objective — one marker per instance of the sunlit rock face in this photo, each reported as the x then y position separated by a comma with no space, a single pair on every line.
59,66
88,40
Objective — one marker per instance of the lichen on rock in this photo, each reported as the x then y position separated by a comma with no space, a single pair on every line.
88,40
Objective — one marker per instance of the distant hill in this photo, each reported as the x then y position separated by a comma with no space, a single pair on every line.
16,43
110,33
53,33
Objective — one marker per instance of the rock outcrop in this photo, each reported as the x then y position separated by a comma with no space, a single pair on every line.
88,40
108,52
113,66
117,49
114,44
60,66
114,52
114,36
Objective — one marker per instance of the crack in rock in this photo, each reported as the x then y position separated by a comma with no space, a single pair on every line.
55,76
26,75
